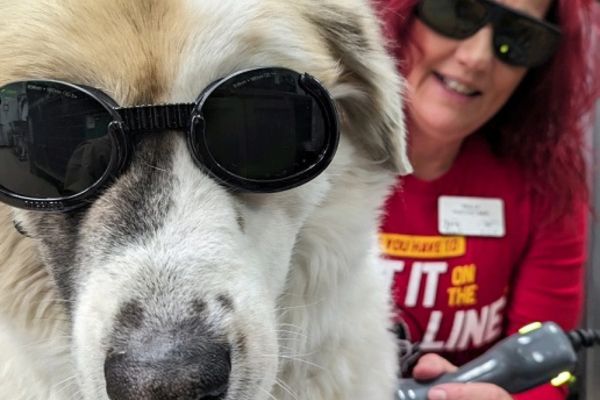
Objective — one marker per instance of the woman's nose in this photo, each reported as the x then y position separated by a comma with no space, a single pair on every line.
475,52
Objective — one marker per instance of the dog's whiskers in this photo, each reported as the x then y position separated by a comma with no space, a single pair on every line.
286,388
65,385
290,334
292,353
266,392
156,168
301,306
291,327
293,358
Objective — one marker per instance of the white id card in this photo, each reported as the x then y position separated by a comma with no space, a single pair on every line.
471,216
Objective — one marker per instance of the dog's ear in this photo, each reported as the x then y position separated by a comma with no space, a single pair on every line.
370,91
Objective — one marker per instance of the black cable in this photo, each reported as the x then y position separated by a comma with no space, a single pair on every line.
584,338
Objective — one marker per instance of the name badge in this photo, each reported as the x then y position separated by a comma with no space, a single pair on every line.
471,216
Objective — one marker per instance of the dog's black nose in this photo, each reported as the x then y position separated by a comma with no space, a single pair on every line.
163,371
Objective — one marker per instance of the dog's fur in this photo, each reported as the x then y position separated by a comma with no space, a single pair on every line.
287,280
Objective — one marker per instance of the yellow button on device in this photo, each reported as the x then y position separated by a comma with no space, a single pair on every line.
530,328
562,378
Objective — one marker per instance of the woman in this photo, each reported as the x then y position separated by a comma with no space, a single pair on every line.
489,233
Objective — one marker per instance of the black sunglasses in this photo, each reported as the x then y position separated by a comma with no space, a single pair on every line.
519,39
260,130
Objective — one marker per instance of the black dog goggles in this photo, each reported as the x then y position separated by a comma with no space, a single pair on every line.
261,130
519,39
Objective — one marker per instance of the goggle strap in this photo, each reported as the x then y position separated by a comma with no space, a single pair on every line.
157,117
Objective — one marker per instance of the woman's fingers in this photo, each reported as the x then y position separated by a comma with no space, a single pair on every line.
431,366
468,391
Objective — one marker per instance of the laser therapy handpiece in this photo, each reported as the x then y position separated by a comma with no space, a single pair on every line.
538,354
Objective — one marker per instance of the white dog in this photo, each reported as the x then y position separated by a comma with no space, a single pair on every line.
271,296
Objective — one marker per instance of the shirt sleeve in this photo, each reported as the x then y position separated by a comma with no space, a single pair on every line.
548,284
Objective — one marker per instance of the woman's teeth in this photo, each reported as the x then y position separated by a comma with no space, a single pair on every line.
457,86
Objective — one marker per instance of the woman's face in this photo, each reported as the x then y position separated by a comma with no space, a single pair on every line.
455,86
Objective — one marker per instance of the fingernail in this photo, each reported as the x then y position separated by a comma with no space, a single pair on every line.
437,394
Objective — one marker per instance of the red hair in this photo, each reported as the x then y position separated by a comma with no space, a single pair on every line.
542,126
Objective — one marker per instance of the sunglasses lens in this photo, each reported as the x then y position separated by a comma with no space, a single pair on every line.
53,140
264,130
457,19
519,41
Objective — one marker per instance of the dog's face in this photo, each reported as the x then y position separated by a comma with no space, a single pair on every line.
170,278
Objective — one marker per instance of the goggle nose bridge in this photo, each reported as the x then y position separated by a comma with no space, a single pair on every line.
151,118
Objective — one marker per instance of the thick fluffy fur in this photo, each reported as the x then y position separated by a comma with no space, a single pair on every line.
286,280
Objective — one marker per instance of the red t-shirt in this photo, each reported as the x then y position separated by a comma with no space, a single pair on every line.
460,294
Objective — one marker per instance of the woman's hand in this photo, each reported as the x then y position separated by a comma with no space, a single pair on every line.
431,365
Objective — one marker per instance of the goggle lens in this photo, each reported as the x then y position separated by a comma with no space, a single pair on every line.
519,39
264,128
457,19
53,140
